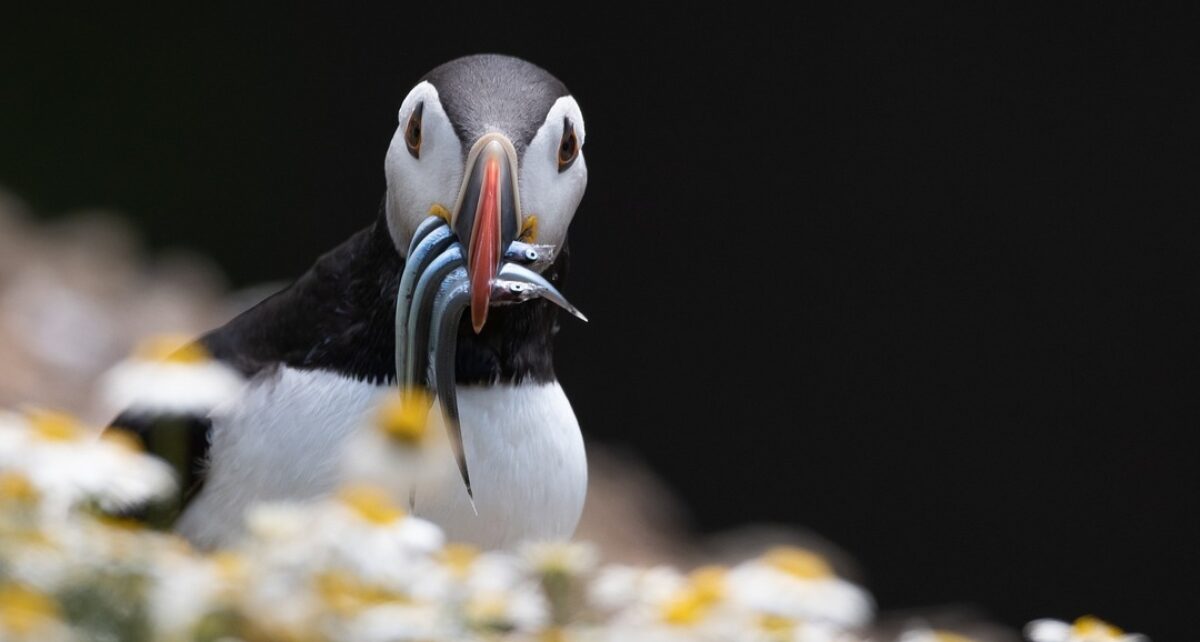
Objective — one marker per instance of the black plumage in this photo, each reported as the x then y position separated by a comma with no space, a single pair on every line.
340,317
341,314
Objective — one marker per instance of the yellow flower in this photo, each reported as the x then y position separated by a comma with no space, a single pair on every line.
458,557
705,588
405,417
708,582
1088,628
371,504
946,636
123,524
799,563
123,439
560,558
230,566
685,609
1090,625
171,348
487,609
348,595
23,610
928,635
16,488
776,625
54,426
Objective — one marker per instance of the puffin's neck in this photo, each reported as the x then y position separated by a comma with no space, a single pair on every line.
517,343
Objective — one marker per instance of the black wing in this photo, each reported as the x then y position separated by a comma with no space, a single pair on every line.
179,439
339,316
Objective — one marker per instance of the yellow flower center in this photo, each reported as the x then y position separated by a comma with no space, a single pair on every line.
798,562
946,636
230,566
371,504
405,417
705,588
347,595
487,609
709,583
23,610
1090,625
15,487
123,439
125,524
54,426
775,625
685,609
459,557
171,348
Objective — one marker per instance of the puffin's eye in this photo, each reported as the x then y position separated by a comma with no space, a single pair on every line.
568,147
412,133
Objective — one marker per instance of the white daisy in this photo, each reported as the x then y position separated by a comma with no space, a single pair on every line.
400,447
572,559
494,593
665,606
926,634
393,622
168,375
187,587
630,588
773,628
798,584
359,531
28,615
69,465
1084,629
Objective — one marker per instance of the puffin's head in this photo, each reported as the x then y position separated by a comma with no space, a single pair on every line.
493,144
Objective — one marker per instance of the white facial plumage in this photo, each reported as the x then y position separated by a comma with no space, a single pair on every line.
549,194
415,184
435,175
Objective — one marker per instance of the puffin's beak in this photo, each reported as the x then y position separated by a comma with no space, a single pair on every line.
486,220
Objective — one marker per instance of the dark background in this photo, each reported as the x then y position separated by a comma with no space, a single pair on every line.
915,278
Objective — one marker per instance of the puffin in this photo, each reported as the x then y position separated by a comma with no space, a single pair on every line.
455,288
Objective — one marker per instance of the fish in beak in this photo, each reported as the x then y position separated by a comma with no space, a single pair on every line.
441,281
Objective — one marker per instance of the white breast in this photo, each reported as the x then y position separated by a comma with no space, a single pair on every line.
528,469
285,437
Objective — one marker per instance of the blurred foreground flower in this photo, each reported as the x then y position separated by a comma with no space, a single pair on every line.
356,566
168,375
923,634
401,445
800,585
1084,629
69,465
